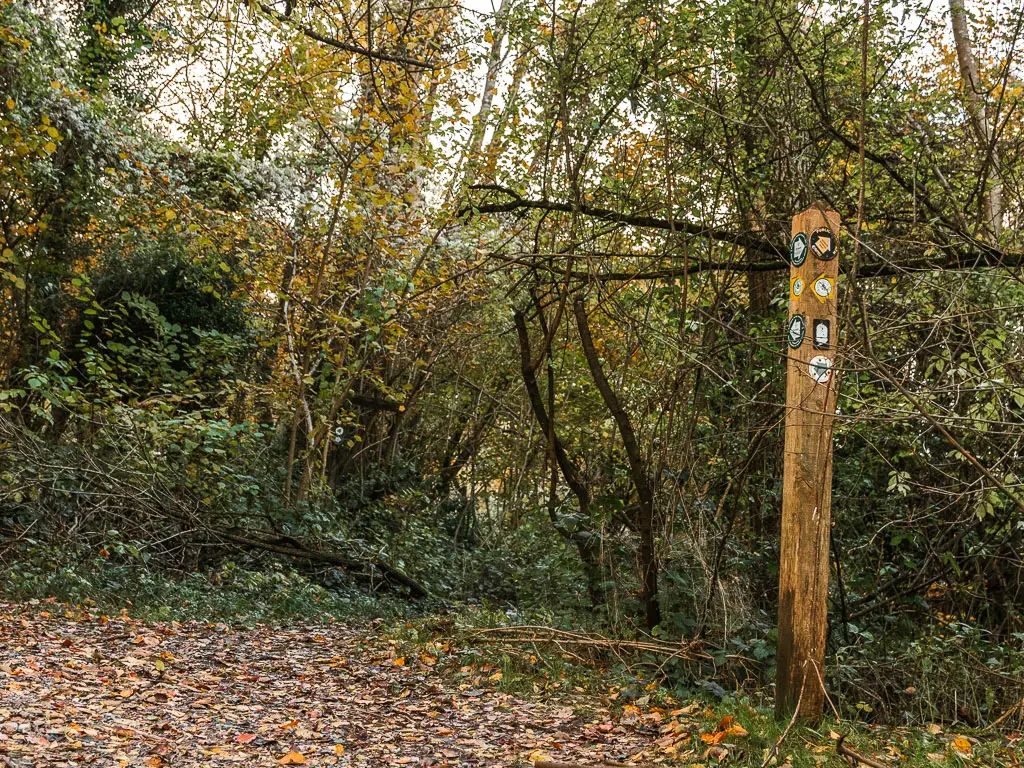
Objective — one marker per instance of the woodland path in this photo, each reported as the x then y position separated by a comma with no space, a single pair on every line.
87,690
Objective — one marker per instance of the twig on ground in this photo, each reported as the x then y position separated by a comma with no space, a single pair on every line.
825,691
1018,707
854,757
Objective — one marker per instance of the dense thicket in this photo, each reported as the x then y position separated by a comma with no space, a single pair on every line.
488,304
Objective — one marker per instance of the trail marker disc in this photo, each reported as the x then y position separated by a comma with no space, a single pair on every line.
823,244
798,249
820,369
797,330
824,288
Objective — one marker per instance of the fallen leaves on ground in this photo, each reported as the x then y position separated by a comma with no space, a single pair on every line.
80,689
727,727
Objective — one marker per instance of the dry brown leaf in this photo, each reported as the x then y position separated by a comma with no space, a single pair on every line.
716,753
292,758
630,714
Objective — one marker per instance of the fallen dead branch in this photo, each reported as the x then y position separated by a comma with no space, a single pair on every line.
540,634
605,764
853,757
299,551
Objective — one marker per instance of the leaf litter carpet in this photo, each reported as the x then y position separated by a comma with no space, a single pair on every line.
90,690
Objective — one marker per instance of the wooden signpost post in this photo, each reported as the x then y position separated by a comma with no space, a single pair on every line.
811,340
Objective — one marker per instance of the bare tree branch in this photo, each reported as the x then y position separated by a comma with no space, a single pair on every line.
344,45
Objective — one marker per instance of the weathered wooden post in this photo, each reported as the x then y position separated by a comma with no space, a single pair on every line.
811,341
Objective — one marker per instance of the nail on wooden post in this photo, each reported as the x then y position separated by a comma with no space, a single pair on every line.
811,339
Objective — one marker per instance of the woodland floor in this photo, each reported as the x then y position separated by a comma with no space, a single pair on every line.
88,690
79,689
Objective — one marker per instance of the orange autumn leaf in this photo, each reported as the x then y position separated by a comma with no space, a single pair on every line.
961,745
245,738
400,661
292,758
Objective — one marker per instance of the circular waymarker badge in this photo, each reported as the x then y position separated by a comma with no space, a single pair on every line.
824,287
797,330
796,286
798,249
820,369
823,244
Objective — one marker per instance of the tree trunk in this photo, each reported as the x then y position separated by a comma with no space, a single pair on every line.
480,122
983,131
587,542
637,470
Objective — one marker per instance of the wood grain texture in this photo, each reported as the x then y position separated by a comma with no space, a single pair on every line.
807,488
